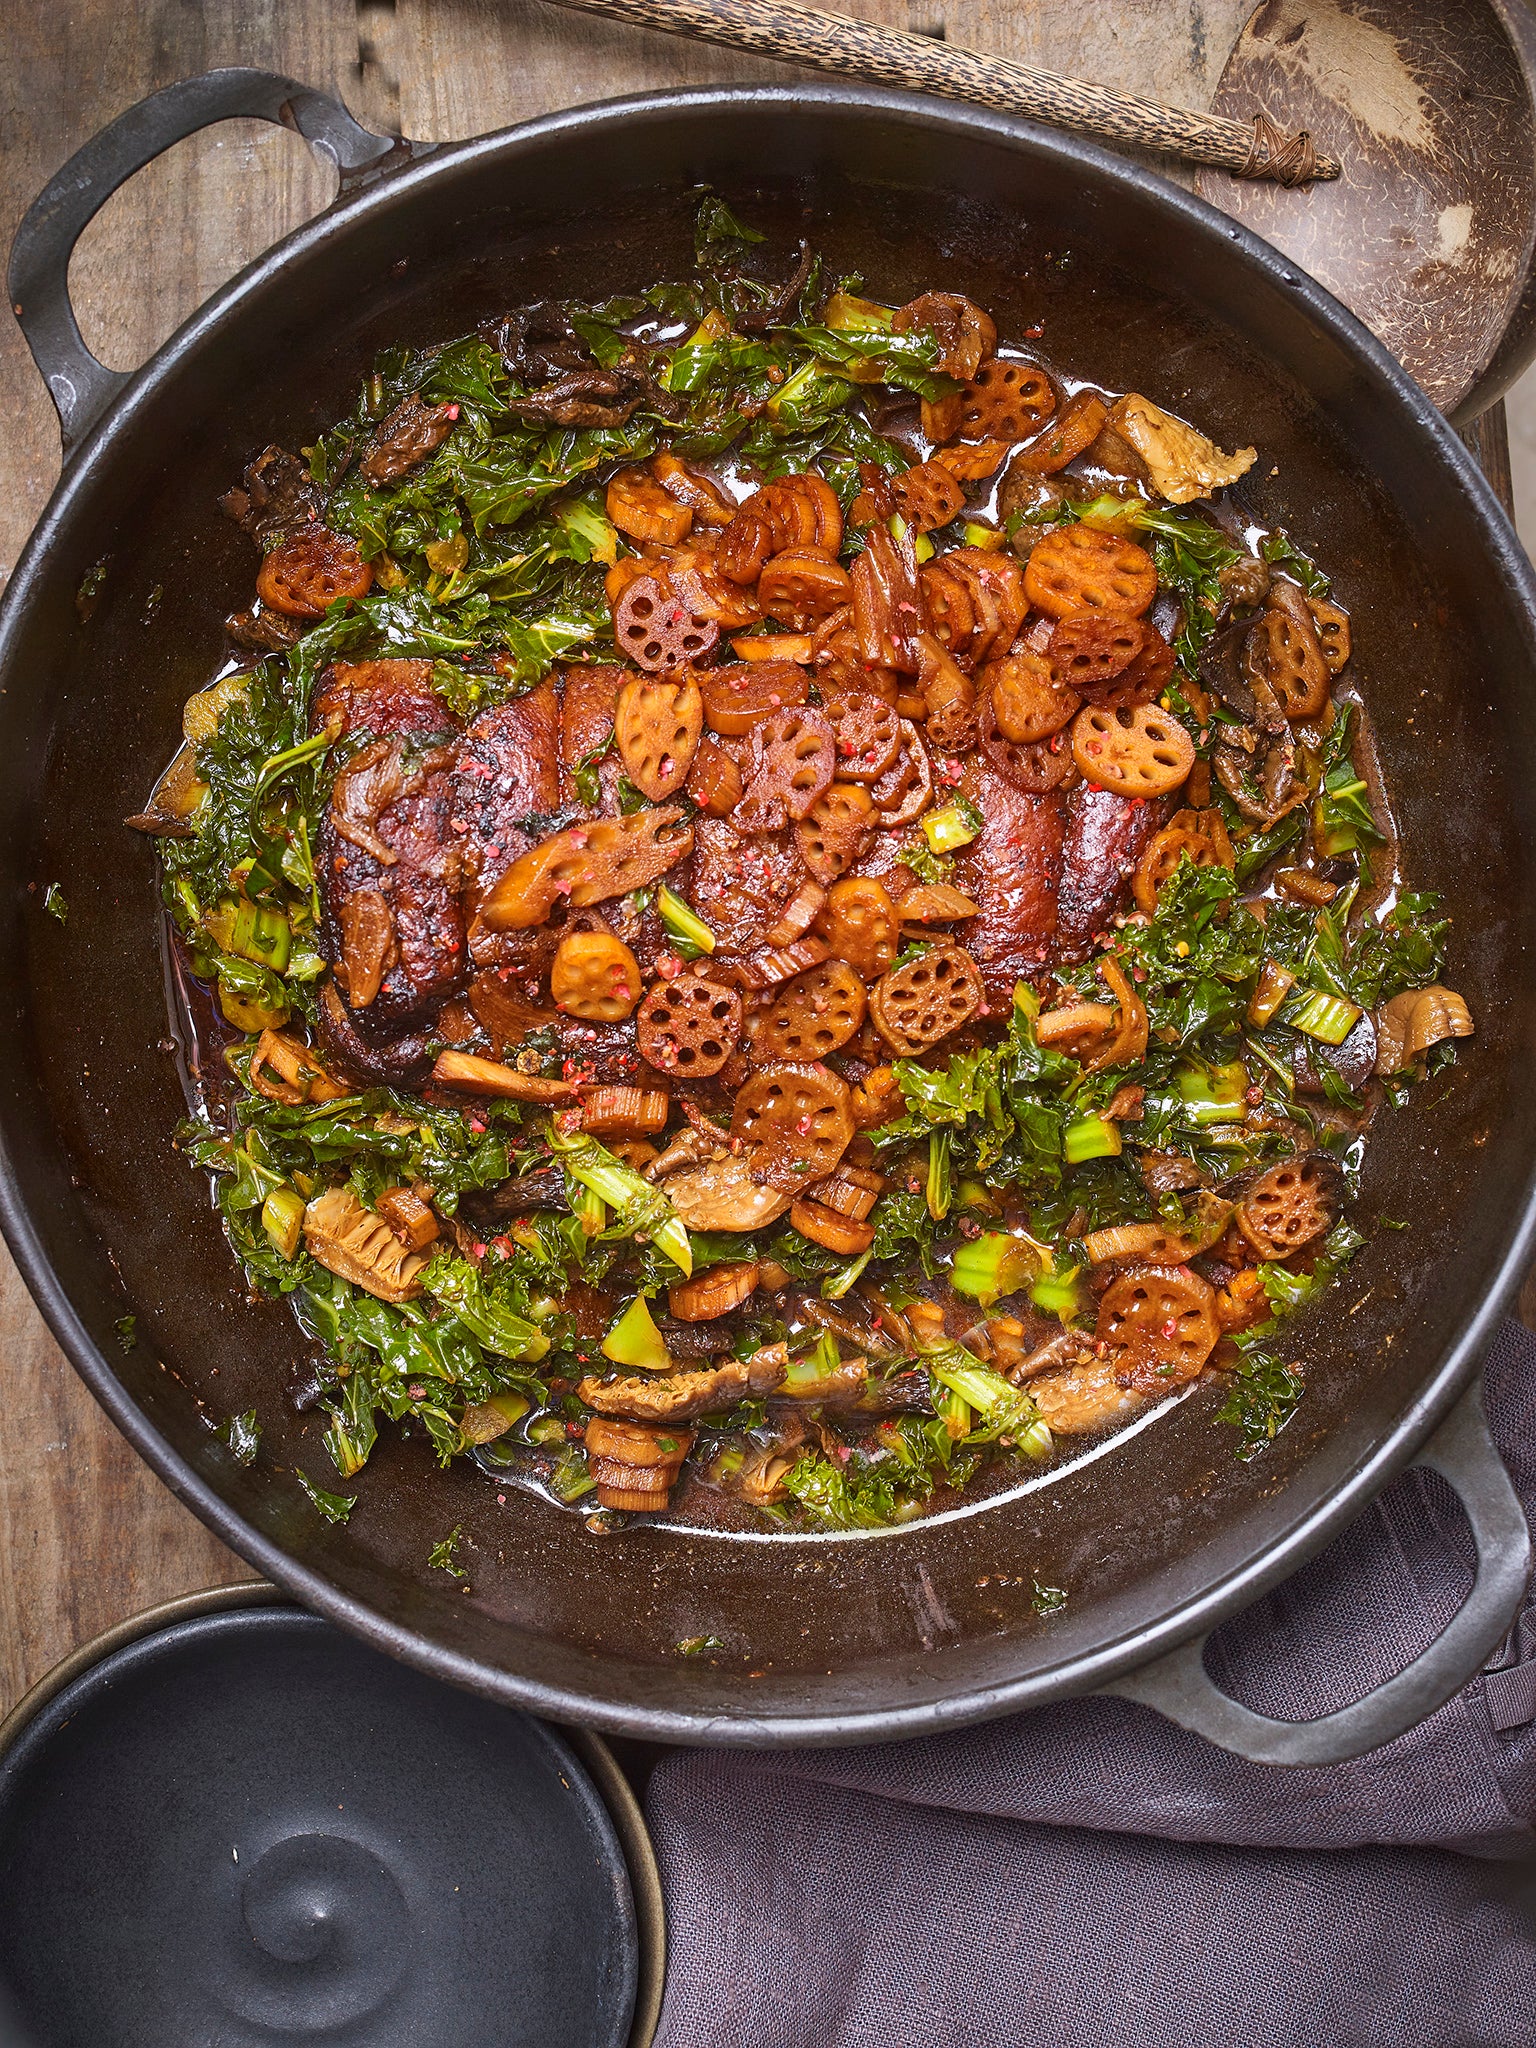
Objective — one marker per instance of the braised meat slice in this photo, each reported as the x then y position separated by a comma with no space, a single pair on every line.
354,1050
506,789
391,870
586,727
740,882
1106,836
509,1018
380,697
1012,869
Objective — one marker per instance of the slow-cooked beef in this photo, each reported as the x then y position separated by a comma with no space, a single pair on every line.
353,1049
740,881
1013,870
586,725
381,697
599,1052
1106,836
506,790
391,867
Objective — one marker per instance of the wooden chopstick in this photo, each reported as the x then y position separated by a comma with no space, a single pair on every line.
862,49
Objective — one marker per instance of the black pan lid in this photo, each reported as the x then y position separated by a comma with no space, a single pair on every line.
247,1828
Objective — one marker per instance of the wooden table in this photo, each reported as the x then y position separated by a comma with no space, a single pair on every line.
88,1535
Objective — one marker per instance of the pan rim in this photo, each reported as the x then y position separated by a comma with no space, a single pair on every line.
1312,1526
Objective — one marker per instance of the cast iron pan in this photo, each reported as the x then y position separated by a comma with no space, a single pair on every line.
817,1639
240,1825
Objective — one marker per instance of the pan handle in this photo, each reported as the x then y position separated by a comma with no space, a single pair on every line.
1461,1451
38,278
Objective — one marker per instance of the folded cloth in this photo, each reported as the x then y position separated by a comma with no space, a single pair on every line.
907,1895
803,1916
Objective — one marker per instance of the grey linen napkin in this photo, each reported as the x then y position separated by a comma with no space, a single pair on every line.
1007,1885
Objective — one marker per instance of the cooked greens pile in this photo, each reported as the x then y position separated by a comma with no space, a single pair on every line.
489,561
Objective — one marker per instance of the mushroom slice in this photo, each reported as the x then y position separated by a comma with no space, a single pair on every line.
363,791
353,1242
714,1292
1181,462
1412,1022
720,1194
405,438
679,1396
688,1147
369,946
1060,1351
1084,1399
935,903
285,1071
1076,1029
174,797
635,1465
966,335
466,1071
587,864
1129,1043
760,1477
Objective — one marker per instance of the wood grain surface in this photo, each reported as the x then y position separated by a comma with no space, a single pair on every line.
916,62
87,1534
